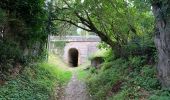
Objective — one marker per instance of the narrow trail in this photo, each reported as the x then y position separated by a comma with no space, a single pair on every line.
75,90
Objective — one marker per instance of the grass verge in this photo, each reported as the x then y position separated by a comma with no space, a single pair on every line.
125,79
36,82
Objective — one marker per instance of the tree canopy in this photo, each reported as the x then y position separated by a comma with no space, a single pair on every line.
116,22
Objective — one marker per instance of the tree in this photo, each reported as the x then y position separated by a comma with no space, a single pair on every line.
161,10
115,21
22,32
25,22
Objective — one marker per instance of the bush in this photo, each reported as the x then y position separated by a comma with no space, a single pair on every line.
36,82
9,50
160,95
123,79
10,55
100,83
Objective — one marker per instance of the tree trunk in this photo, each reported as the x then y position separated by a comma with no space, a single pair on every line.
161,10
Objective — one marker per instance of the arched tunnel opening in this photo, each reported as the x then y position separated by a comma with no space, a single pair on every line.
73,57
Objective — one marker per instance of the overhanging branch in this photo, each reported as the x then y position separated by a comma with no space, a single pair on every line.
73,23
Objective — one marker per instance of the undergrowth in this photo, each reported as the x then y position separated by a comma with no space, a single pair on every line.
36,82
125,79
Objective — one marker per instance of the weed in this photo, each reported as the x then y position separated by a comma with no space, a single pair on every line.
36,82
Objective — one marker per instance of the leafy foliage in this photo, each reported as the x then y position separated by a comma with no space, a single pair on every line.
121,79
100,84
116,22
160,95
59,45
23,34
35,82
10,55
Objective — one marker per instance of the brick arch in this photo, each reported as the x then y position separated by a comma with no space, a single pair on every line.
66,52
84,49
86,45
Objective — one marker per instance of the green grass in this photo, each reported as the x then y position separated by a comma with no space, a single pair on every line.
82,71
82,74
36,82
138,81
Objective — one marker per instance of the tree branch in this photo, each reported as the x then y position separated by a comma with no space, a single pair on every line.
73,23
92,28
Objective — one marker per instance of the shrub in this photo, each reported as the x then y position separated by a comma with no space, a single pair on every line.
36,82
10,55
160,95
131,78
100,83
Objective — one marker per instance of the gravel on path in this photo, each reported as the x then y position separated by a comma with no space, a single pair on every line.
75,90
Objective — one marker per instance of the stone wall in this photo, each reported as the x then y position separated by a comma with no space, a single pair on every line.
85,45
84,50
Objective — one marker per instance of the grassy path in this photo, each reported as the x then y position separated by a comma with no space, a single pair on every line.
75,90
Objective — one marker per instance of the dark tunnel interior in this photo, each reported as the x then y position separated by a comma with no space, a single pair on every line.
73,57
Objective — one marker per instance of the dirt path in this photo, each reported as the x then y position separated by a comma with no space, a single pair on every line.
75,90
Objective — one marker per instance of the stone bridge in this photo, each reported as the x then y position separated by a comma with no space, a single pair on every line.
77,48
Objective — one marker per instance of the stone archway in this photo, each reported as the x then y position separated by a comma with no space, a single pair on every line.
73,56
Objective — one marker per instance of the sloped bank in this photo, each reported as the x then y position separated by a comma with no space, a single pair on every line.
36,82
